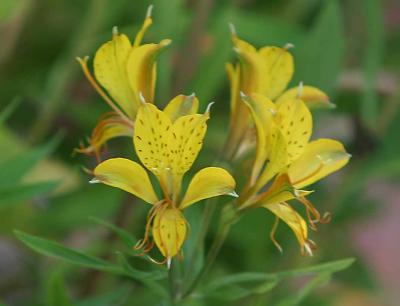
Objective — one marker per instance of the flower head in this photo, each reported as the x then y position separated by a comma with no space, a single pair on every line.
266,71
286,154
127,72
167,143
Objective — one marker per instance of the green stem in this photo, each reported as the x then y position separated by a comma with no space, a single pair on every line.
228,217
205,222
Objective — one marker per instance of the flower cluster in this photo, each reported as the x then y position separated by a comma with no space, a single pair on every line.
168,141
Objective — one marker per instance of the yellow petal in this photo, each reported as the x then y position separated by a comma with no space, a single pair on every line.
278,70
146,24
280,191
169,231
109,127
239,117
253,77
152,128
295,121
127,175
141,69
278,158
181,106
186,140
262,111
311,96
288,215
207,183
110,71
319,159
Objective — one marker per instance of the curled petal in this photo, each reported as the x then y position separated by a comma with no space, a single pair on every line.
319,159
296,222
110,126
141,70
110,71
181,106
207,183
280,191
239,118
311,96
262,111
127,175
278,158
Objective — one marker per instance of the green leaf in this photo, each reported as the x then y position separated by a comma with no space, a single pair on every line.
9,110
125,236
53,249
317,281
14,169
323,47
148,278
259,282
16,194
374,29
114,298
57,292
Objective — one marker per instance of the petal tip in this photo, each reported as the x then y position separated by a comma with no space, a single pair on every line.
114,31
232,29
94,181
209,107
149,11
288,46
233,194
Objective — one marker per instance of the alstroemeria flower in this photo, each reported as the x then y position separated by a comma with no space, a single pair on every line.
167,143
127,71
285,152
266,71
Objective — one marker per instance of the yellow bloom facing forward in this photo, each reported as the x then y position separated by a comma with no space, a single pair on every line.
127,72
285,152
167,143
265,71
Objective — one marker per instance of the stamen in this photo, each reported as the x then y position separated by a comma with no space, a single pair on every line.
157,262
272,235
94,181
169,261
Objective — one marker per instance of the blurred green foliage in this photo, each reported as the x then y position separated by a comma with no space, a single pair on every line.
44,191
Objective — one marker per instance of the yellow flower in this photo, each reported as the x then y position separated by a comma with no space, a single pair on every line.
127,71
266,71
167,143
285,152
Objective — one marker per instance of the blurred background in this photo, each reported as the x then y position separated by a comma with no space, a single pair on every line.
348,48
